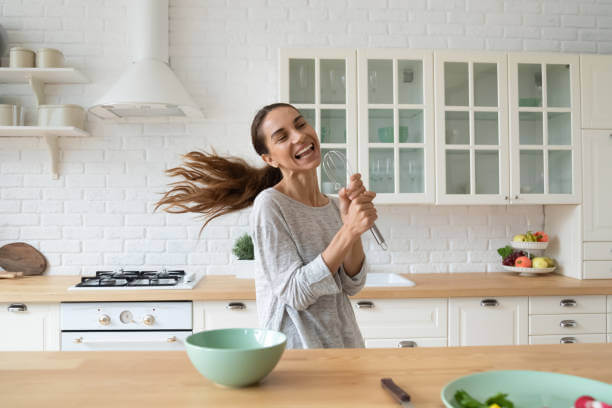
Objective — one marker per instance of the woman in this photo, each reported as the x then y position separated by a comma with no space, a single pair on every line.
308,246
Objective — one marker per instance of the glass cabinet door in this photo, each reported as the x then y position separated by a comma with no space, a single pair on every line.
322,85
544,111
471,131
396,124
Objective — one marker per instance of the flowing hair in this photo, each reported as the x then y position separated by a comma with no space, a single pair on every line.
213,185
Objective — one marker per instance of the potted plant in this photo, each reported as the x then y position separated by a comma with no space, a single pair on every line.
245,264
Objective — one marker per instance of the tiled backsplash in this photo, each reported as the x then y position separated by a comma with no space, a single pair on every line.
99,213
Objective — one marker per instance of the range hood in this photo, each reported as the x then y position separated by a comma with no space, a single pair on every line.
148,91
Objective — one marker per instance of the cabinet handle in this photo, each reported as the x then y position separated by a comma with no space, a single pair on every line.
506,198
568,323
406,344
568,340
365,304
17,308
516,197
489,303
235,306
568,303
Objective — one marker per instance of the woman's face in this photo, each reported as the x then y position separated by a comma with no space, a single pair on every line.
292,143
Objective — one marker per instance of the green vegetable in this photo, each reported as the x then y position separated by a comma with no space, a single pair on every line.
500,399
465,400
505,251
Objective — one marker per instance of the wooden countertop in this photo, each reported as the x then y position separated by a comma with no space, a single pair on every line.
303,378
216,287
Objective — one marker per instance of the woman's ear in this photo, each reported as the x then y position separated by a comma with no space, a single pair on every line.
269,161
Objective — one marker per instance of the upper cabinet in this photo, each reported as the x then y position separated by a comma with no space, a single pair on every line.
451,127
396,124
471,128
596,87
544,128
321,83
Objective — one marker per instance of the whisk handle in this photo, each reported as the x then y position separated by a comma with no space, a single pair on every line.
378,237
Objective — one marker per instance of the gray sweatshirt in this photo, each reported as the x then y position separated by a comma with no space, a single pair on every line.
296,292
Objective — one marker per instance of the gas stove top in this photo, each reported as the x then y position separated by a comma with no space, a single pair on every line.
134,279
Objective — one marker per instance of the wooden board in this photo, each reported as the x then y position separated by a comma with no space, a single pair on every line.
22,257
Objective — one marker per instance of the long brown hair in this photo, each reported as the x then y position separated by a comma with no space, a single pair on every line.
214,185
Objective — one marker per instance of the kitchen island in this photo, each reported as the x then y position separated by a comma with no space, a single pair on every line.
303,378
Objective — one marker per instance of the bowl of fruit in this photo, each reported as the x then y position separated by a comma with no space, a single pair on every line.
514,260
529,240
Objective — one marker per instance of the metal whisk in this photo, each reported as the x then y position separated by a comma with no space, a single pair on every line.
335,160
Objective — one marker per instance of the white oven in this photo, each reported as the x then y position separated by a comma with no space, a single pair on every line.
90,326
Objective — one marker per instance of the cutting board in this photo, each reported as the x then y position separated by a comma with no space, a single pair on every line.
22,257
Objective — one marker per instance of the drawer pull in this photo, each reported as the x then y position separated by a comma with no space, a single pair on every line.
568,303
489,303
235,306
17,308
568,340
406,344
365,304
568,323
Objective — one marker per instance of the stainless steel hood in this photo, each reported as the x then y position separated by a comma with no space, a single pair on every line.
148,91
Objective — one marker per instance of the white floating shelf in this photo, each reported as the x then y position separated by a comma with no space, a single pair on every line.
46,75
49,133
19,131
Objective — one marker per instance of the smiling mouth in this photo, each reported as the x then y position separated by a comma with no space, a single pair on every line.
305,151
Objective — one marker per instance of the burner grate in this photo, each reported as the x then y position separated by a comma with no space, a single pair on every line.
133,278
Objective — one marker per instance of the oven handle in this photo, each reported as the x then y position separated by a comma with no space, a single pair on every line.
81,340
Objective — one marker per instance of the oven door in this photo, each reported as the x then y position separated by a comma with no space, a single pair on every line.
124,340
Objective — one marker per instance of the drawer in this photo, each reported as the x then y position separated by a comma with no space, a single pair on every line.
597,270
609,338
395,343
609,325
561,339
567,304
230,314
401,318
597,251
575,324
610,305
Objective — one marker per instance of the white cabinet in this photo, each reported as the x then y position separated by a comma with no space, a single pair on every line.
597,185
609,323
208,315
321,83
396,124
544,105
596,90
29,327
488,321
471,128
567,319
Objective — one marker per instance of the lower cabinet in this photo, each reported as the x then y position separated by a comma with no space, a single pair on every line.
609,325
402,322
488,321
209,315
567,319
29,327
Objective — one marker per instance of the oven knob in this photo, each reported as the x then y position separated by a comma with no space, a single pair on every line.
104,320
148,320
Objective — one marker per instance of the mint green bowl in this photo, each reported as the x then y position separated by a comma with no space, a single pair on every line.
527,389
235,357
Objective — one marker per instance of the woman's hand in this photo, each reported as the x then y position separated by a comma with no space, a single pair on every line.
361,213
347,194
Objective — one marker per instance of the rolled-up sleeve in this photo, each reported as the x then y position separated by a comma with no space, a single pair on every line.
351,285
296,284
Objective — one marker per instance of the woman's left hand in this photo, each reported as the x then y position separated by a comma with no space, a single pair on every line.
347,194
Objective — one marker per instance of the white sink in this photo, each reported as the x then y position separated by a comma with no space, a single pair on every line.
383,279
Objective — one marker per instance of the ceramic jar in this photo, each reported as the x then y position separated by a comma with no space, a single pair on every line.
49,58
61,115
20,57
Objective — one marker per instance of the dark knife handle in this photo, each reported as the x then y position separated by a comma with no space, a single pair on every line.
398,394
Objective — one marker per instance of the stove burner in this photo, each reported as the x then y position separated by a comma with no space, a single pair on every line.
132,278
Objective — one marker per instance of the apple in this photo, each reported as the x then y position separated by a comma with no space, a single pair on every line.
523,262
539,262
541,236
550,261
519,238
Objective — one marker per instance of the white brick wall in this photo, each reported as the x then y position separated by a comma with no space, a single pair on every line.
99,213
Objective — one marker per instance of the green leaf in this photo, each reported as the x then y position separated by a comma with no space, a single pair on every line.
501,400
465,400
505,251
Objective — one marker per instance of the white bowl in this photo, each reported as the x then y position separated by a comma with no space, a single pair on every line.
528,271
528,245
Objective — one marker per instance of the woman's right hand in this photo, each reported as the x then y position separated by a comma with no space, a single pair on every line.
361,213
